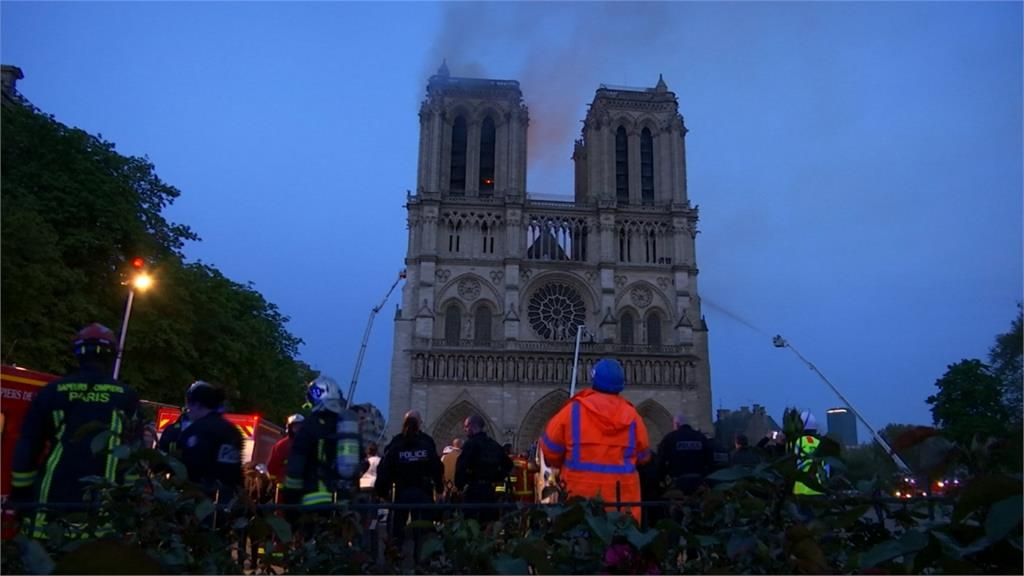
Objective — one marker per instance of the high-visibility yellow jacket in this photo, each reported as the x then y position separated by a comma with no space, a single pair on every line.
597,439
806,446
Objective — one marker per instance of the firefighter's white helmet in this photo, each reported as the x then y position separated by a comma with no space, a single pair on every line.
323,389
807,419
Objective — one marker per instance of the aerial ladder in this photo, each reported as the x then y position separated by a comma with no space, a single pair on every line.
366,337
779,342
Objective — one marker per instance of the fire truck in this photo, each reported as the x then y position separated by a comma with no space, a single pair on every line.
258,434
18,387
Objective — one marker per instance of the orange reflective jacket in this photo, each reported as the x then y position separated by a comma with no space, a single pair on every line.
597,440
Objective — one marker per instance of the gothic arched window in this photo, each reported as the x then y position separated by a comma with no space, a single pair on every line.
626,328
646,167
482,324
653,329
621,166
487,141
458,167
453,324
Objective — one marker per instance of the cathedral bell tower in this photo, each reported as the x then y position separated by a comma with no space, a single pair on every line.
633,149
472,138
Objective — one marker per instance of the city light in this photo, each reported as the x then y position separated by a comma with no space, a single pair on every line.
142,281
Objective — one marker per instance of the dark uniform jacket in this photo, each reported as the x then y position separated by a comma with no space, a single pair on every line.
211,450
410,463
170,438
69,413
482,464
686,454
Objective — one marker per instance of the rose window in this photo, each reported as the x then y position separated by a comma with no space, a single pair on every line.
555,311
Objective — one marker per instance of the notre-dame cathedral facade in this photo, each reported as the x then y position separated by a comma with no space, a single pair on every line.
499,282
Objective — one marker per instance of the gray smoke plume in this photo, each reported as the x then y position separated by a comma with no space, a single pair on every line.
559,53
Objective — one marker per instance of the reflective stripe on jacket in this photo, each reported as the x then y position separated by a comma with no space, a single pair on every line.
597,439
806,446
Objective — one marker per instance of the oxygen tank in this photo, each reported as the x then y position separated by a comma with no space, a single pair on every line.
347,459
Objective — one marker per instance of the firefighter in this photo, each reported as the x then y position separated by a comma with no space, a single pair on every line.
597,439
276,464
482,465
523,480
806,461
325,454
503,489
69,413
211,447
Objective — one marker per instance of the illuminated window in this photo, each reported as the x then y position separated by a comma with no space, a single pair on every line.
487,140
621,166
647,167
458,167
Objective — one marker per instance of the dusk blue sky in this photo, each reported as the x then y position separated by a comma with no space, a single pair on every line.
858,166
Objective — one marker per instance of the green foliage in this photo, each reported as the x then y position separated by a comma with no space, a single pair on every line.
969,402
749,522
75,212
1006,358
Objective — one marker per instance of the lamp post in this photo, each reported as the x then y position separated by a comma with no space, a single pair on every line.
140,282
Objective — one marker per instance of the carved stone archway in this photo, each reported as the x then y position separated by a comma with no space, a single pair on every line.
537,418
449,425
657,419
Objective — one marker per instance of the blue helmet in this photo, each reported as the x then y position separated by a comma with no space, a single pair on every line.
607,376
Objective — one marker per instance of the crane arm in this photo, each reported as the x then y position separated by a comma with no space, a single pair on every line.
366,337
780,342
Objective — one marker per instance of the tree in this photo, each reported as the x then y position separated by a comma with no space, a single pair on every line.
1006,360
75,212
969,402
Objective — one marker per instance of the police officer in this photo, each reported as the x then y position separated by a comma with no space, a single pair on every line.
482,465
211,447
324,456
685,455
412,468
68,413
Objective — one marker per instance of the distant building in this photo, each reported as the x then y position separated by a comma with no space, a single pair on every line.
753,423
9,76
842,426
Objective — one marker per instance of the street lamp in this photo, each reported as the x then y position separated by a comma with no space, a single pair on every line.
141,282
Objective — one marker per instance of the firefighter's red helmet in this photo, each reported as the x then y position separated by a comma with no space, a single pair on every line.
94,339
